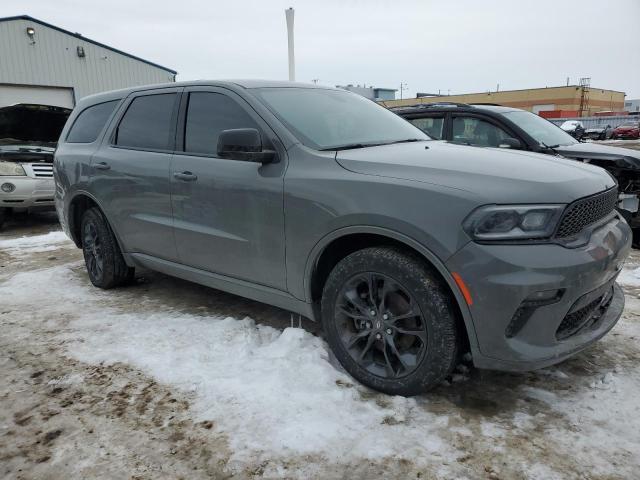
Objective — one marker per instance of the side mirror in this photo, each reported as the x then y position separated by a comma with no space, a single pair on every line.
243,144
510,143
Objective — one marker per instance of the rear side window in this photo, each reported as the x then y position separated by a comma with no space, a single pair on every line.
432,126
90,122
147,123
207,115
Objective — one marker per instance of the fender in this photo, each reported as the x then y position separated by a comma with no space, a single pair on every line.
319,248
70,220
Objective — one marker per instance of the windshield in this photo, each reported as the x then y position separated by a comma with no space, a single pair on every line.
25,124
541,130
326,119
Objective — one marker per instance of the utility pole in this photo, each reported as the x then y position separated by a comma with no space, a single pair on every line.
289,13
403,87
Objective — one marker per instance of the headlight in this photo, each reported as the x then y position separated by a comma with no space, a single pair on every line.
512,222
11,169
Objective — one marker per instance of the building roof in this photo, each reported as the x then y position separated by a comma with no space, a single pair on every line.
79,36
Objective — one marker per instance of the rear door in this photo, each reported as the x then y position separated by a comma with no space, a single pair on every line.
130,173
228,214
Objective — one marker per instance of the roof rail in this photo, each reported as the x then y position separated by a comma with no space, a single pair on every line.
487,104
431,105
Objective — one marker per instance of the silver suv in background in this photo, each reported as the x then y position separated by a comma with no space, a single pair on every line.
409,251
28,136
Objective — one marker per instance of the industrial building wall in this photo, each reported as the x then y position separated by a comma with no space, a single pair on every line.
536,99
51,59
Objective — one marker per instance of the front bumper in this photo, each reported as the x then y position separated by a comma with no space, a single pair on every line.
502,278
29,194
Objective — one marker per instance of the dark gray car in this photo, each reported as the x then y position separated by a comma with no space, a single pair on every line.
410,251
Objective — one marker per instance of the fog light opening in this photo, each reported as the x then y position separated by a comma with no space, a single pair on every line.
8,187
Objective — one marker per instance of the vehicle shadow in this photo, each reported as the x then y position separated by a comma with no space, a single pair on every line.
18,224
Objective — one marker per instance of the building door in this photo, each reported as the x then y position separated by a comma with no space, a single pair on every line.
55,96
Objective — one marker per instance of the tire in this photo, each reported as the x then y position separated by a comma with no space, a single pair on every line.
105,265
389,301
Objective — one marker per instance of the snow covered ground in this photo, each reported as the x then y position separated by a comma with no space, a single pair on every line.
165,379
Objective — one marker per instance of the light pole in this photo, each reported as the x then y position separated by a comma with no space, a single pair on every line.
403,87
289,12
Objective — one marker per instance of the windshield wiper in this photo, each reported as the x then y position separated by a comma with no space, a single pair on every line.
407,140
551,147
351,146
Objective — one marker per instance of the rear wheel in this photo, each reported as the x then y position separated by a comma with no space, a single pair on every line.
389,321
105,265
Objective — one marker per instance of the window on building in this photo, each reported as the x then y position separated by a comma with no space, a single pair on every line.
147,123
208,114
475,131
90,122
432,126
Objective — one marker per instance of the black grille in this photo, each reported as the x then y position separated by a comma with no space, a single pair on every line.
587,211
584,317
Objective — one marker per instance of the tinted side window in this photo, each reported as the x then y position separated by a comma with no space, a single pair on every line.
147,123
207,115
90,122
474,131
432,126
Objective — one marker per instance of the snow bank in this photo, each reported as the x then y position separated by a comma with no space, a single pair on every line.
34,244
629,277
273,393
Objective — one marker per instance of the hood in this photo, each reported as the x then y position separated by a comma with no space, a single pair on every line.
31,125
491,175
626,128
618,157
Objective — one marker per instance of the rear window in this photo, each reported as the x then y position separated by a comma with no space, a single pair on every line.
90,122
147,123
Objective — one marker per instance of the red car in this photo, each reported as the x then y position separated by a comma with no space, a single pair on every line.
627,130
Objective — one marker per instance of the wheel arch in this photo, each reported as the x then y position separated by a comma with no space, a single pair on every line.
342,242
80,203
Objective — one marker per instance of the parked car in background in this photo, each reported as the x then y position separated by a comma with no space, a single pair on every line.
28,136
574,128
317,200
604,132
627,131
495,126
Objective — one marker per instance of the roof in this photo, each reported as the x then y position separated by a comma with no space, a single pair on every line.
248,84
79,36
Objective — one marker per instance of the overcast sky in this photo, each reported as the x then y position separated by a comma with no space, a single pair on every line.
458,46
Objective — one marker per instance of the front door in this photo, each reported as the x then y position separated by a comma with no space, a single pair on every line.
130,173
228,214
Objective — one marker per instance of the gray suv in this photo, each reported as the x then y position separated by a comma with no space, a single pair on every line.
409,251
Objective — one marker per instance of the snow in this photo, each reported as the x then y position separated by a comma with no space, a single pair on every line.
274,393
26,245
629,277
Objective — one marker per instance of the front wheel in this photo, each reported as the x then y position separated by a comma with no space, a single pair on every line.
390,321
105,265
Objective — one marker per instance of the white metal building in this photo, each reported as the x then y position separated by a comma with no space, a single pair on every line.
44,64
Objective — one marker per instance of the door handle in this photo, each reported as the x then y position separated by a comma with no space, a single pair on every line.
102,166
186,176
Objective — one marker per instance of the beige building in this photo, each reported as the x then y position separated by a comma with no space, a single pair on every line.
568,98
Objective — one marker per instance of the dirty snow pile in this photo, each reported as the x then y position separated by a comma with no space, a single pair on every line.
23,246
274,394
